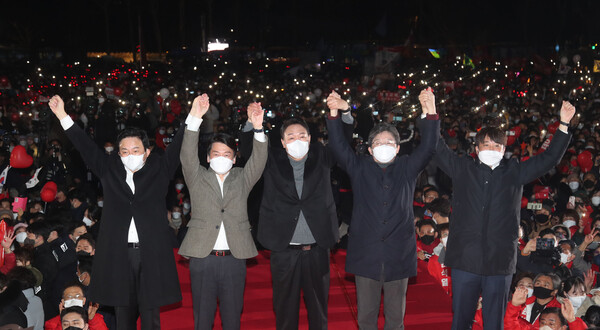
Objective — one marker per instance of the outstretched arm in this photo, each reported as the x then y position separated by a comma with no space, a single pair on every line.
430,130
189,155
258,158
540,164
338,143
94,157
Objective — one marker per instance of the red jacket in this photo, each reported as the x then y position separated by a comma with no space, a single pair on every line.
441,273
514,321
97,323
9,263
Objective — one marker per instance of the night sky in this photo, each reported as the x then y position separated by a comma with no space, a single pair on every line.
76,26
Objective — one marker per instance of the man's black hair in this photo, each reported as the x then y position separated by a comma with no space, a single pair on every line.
22,275
74,284
74,225
592,316
494,133
226,139
87,237
441,206
39,228
554,310
546,232
75,309
76,194
443,226
24,253
293,121
135,133
425,222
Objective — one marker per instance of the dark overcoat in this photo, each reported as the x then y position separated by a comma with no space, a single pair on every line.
159,282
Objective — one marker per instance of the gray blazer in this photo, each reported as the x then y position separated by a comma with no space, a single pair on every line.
209,209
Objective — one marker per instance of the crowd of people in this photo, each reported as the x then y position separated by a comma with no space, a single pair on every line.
503,208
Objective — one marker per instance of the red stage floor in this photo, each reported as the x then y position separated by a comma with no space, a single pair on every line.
428,307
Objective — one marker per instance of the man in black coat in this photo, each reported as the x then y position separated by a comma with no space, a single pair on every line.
134,266
298,223
484,224
382,251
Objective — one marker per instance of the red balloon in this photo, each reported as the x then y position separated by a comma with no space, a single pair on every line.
118,91
585,161
48,192
19,158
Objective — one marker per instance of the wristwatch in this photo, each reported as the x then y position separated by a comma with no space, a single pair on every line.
260,130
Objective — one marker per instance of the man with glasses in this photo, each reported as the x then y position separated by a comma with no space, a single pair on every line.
381,244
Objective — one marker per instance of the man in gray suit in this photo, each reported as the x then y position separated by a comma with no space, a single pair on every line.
218,239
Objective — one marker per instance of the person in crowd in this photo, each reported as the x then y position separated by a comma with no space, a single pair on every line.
485,218
134,242
298,222
74,317
427,238
44,261
561,316
381,247
35,308
12,302
73,295
86,245
23,258
218,240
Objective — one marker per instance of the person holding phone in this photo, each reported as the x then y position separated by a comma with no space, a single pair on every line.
484,224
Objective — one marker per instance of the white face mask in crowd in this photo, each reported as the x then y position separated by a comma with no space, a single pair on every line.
444,240
221,165
384,153
20,237
179,186
564,257
490,157
100,203
133,162
109,149
569,223
574,185
529,292
73,302
87,221
577,301
596,200
297,149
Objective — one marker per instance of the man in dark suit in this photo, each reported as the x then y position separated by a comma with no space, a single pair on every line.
134,266
484,224
218,240
381,243
298,223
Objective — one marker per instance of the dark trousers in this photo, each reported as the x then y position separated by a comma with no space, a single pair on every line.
293,270
218,278
127,315
466,289
368,300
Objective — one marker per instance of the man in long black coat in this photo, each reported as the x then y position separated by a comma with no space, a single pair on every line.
484,224
134,266
382,252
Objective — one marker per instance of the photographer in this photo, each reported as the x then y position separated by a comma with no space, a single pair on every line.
540,255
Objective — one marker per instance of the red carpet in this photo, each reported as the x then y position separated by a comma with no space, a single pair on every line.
428,307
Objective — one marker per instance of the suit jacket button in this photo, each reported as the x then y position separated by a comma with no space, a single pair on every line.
222,210
217,226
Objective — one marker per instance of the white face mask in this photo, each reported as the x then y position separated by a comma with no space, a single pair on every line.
569,223
109,149
529,292
87,221
444,240
384,154
596,200
297,149
564,258
100,203
577,301
179,186
20,237
574,185
490,157
176,215
161,131
133,162
507,154
101,100
187,206
73,302
230,102
546,327
221,165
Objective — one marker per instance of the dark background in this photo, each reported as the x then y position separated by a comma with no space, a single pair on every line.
75,26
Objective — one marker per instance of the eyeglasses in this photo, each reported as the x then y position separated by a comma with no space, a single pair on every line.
378,143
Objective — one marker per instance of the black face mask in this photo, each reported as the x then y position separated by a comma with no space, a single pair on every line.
427,239
542,293
541,218
73,328
588,184
28,241
83,253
